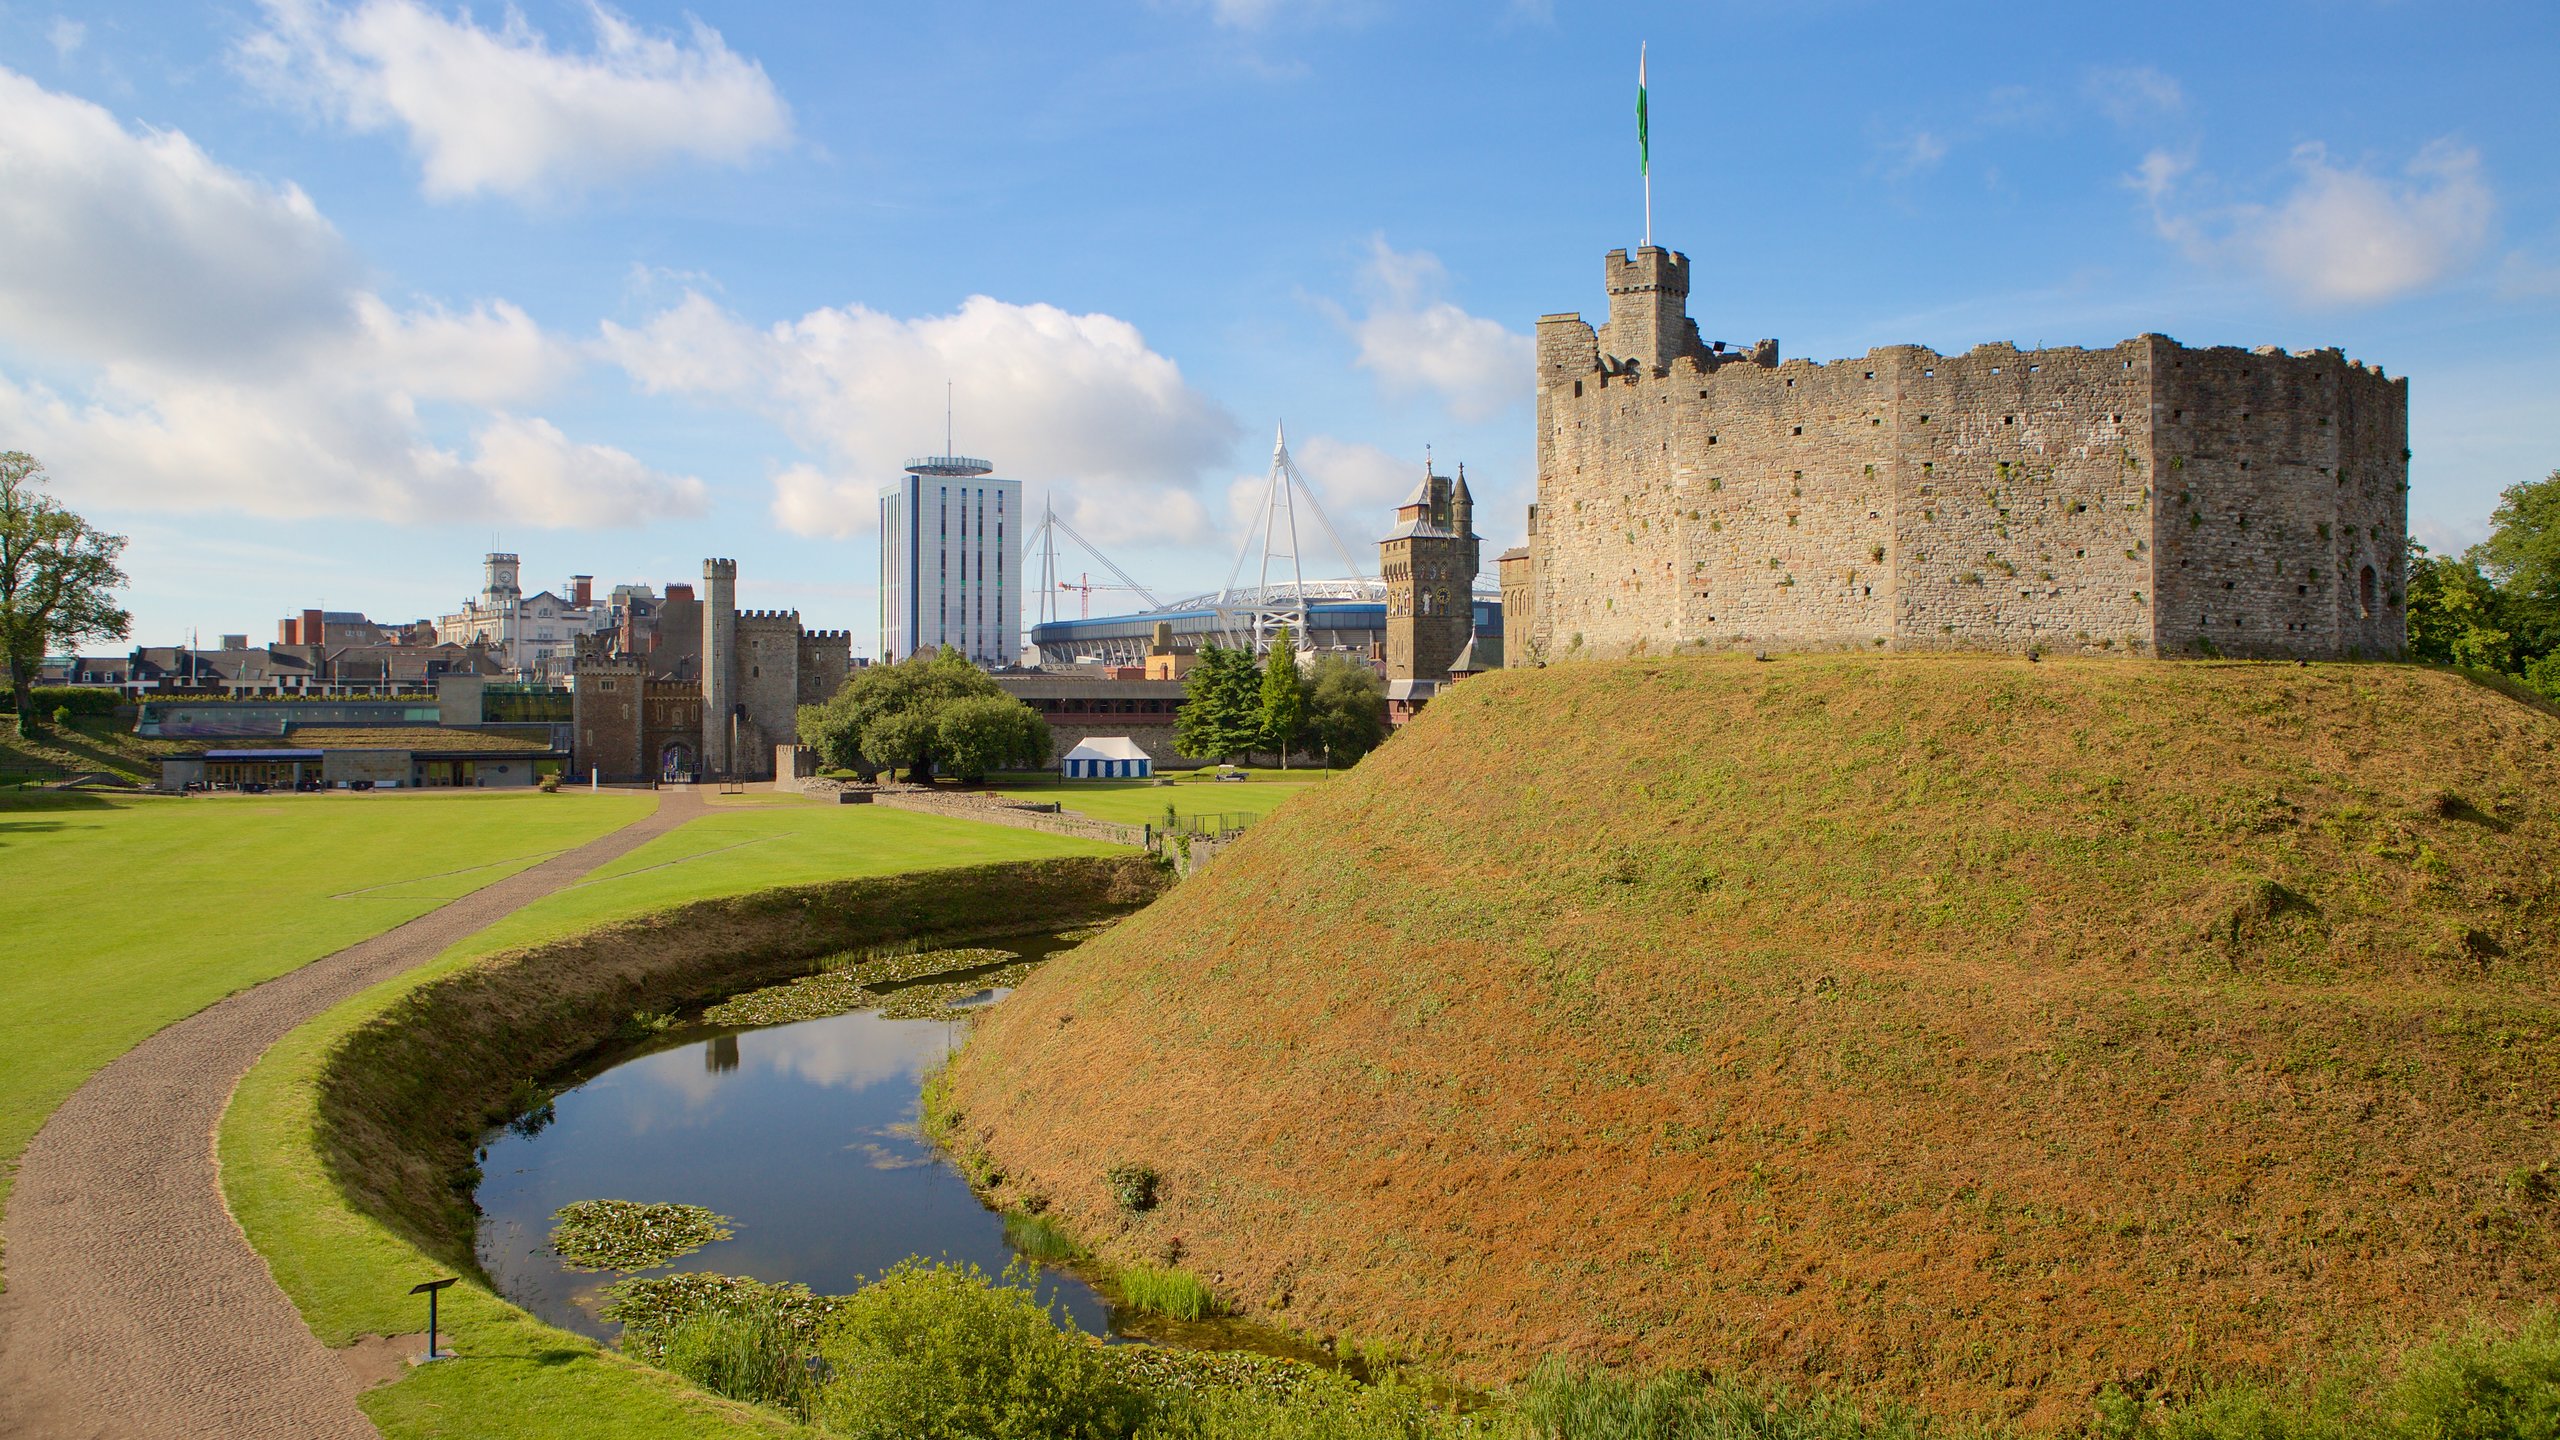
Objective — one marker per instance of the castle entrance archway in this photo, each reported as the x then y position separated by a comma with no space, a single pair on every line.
675,761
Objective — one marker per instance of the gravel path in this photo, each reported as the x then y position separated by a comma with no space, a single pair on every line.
135,1306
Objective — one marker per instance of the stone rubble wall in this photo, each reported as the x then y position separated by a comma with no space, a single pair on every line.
2145,498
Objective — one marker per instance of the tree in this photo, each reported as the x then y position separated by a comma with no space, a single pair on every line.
2522,554
2457,614
1346,708
1221,705
56,572
1284,700
989,732
892,717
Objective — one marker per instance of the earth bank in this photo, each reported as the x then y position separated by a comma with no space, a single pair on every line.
1964,1031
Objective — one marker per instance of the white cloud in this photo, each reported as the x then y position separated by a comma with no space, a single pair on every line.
226,360
1914,154
66,35
114,244
1416,342
502,111
2135,95
2341,236
1075,400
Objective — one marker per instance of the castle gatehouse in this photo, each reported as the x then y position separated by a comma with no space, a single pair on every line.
2142,499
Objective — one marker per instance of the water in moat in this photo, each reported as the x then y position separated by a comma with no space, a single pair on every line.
804,1135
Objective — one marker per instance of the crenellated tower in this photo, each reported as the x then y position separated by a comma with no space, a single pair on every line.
719,661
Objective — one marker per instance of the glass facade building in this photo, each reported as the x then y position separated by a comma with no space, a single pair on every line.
950,563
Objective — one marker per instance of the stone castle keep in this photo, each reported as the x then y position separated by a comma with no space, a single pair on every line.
2144,499
708,692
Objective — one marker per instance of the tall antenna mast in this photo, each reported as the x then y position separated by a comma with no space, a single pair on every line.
946,383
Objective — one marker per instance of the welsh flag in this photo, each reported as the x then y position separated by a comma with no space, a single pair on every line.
1644,137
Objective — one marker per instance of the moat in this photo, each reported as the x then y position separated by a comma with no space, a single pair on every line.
803,1134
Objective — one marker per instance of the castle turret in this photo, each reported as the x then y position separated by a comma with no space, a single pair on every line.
1648,308
719,663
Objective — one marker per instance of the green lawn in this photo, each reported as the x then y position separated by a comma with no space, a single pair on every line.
734,850
124,914
1142,802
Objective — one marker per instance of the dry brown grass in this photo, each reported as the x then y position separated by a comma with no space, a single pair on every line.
1959,1030
405,1098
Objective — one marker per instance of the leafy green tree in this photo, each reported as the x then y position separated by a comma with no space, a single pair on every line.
56,574
985,733
1346,708
2522,554
1284,698
893,717
2456,614
1221,712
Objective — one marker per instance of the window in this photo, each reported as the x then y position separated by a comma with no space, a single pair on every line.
2364,594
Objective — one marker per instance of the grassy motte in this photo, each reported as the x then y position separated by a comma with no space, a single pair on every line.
1951,1031
128,913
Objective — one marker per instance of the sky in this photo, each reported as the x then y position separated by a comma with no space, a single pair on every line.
320,300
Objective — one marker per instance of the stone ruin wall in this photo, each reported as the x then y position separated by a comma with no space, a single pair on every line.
2283,479
2000,499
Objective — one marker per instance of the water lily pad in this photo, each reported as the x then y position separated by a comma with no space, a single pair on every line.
649,1308
630,1235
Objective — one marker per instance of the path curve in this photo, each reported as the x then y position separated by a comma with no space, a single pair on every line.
135,1306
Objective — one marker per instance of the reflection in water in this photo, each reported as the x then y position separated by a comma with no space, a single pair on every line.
808,1143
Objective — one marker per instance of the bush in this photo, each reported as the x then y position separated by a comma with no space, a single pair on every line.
62,717
1691,1407
1133,1186
1320,1407
753,1353
937,1352
1168,1291
83,700
548,784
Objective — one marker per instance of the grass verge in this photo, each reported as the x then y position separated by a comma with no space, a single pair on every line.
126,914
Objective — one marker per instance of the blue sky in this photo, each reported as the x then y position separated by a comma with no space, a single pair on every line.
317,299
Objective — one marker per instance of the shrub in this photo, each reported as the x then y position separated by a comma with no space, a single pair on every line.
1559,1403
1169,1290
753,1354
1133,1186
548,784
62,717
78,699
937,1352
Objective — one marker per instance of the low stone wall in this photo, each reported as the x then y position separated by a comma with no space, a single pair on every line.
997,810
406,1097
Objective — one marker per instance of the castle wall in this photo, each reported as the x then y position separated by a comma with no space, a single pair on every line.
2283,479
671,715
766,683
606,721
720,668
826,662
2145,498
2023,494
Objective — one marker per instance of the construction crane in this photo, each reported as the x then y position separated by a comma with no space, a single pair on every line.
1084,586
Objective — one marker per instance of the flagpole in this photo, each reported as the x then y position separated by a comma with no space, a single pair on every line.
1644,141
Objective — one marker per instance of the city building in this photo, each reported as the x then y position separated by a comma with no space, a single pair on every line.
2144,499
709,696
1348,616
949,567
533,635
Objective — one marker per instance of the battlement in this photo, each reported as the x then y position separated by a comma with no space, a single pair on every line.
2145,497
769,617
827,637
1650,268
724,569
